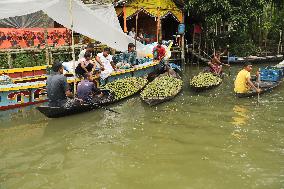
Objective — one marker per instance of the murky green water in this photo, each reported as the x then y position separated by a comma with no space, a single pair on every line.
211,140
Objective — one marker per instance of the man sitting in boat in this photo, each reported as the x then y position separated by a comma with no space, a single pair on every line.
159,52
90,48
105,60
216,65
86,88
243,83
85,65
128,57
57,87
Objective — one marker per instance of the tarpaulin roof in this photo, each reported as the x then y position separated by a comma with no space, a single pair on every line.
94,24
152,8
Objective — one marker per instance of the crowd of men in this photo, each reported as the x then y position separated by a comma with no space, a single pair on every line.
100,65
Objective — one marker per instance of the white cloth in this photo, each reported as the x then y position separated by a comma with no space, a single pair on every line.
85,21
106,61
82,53
132,34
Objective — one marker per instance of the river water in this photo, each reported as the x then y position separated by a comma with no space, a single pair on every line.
209,140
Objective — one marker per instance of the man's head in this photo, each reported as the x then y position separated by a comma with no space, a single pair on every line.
88,76
133,29
131,47
90,47
88,55
247,66
57,67
106,51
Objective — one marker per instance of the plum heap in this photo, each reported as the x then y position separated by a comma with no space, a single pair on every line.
126,87
164,86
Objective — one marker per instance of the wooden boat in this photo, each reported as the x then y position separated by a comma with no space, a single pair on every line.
265,86
201,89
152,101
254,59
22,93
75,107
204,88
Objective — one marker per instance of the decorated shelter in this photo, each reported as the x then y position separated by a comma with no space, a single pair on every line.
157,18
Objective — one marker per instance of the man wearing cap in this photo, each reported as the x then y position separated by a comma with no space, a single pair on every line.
243,83
57,87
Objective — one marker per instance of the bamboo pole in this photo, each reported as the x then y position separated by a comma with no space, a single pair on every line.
72,38
46,41
136,29
9,59
280,41
158,24
124,19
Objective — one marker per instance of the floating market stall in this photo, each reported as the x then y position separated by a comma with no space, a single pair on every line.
157,18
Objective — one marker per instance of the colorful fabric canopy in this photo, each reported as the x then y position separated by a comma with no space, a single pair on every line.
152,8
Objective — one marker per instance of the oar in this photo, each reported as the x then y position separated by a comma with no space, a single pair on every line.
229,60
258,94
108,109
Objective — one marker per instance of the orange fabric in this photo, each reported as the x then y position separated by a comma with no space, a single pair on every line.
124,19
21,32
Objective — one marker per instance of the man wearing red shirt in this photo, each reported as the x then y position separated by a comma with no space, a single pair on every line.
159,52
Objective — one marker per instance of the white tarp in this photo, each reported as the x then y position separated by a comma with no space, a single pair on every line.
108,13
86,21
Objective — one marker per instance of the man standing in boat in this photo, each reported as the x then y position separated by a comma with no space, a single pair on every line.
57,87
243,83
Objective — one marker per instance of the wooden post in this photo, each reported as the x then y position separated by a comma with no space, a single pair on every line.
45,41
280,41
124,19
9,59
158,24
72,40
182,45
199,50
136,28
193,43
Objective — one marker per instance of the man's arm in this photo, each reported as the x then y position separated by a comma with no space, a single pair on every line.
252,85
100,62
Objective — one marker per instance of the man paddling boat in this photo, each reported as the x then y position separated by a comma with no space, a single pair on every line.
243,83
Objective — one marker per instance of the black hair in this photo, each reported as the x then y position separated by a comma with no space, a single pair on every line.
160,42
90,45
130,45
107,49
56,66
87,75
246,64
87,54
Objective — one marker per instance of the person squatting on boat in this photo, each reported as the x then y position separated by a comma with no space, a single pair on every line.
90,48
128,58
57,87
86,88
243,83
105,60
215,65
85,65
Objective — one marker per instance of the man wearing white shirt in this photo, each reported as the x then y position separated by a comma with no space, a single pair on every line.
105,61
132,33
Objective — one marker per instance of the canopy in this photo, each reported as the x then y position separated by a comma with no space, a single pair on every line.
93,24
152,8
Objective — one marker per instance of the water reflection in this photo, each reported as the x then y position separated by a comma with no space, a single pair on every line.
241,117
